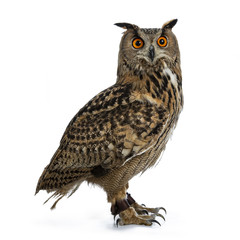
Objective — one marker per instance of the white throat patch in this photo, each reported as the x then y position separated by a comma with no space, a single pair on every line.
173,76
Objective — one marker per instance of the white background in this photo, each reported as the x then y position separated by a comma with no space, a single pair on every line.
56,55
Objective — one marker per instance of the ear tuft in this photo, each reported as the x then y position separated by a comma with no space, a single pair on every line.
170,24
127,25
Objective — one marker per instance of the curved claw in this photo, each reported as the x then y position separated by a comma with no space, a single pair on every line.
143,205
143,212
160,215
153,220
162,208
117,221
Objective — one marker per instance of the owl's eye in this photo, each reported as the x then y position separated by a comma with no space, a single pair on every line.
137,43
162,42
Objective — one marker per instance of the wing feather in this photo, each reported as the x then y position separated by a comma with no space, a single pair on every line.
108,131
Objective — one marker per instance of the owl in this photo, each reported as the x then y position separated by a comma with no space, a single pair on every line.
122,131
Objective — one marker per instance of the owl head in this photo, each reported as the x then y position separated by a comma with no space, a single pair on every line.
143,49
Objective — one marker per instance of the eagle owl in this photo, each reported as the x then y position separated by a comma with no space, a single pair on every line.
123,130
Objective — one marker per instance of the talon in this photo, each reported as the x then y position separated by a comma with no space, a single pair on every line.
162,208
160,215
117,221
153,220
142,211
145,211
143,205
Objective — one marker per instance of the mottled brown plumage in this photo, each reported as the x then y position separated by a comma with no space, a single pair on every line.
123,130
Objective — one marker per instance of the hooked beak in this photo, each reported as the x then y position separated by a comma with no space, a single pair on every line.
151,52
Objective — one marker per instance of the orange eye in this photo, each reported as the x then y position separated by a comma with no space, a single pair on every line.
162,42
137,43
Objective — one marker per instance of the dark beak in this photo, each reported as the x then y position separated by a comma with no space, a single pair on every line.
151,52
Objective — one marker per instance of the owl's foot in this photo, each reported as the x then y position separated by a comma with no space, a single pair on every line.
130,212
142,209
130,216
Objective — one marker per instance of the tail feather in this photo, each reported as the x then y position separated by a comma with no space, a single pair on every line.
61,182
66,190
